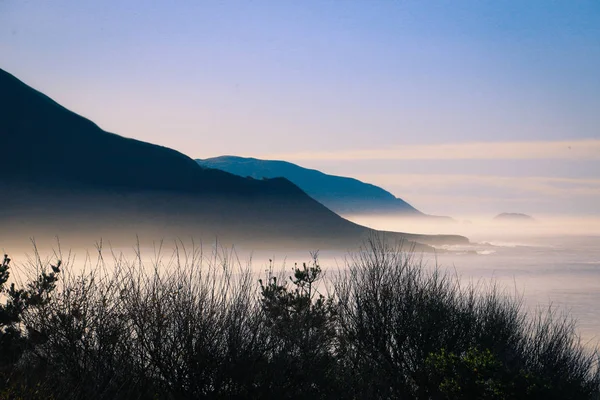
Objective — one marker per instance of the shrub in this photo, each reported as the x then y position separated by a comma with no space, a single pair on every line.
302,327
16,335
199,327
416,333
187,329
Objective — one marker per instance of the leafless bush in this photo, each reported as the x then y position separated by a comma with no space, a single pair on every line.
401,320
197,325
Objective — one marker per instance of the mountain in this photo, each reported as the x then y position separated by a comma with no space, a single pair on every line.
61,174
341,194
514,217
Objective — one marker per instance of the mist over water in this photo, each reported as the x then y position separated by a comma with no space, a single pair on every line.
550,261
480,228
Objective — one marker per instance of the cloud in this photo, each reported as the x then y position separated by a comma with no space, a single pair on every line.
582,149
545,186
456,194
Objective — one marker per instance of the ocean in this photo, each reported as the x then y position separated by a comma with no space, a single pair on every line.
548,263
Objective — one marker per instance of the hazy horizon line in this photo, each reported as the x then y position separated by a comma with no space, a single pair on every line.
578,149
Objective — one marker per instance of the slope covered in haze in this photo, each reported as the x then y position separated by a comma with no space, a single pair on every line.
341,194
61,174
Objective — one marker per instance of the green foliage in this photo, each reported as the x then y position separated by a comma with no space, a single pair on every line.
17,302
299,314
302,324
480,374
15,335
474,374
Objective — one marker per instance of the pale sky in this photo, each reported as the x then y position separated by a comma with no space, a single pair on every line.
459,107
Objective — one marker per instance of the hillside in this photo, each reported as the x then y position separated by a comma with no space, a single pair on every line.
62,174
341,194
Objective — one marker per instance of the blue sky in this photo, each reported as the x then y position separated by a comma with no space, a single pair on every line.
359,88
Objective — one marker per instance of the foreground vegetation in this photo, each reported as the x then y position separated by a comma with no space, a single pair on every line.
387,329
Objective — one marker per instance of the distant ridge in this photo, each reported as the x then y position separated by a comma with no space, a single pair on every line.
60,174
517,217
341,194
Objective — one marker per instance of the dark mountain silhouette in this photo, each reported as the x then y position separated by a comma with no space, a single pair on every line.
341,194
61,174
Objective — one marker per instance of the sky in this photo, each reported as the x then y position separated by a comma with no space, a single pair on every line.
459,107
